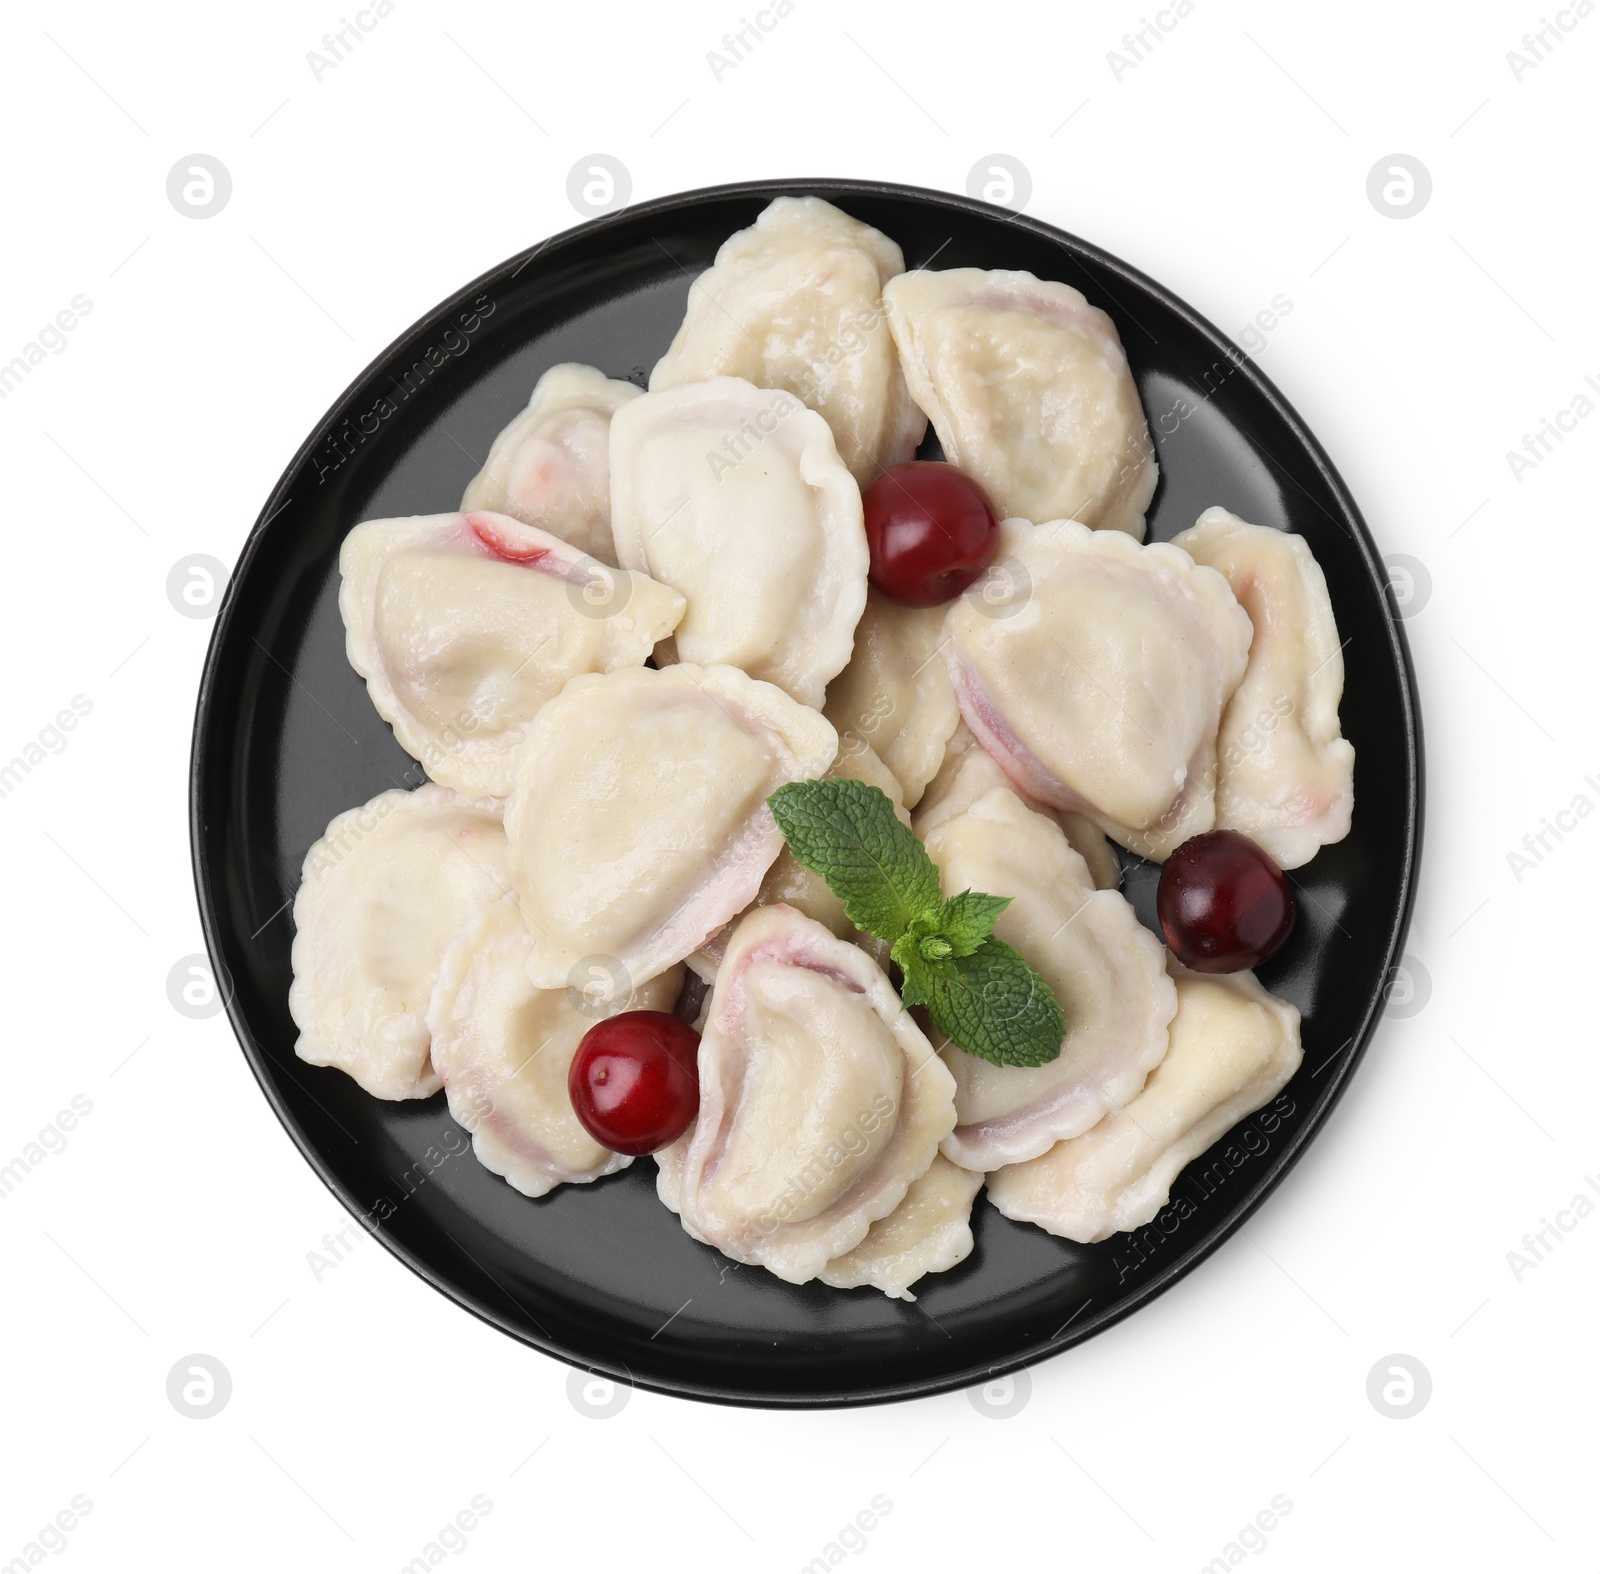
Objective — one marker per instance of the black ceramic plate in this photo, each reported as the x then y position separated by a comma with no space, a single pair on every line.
602,1275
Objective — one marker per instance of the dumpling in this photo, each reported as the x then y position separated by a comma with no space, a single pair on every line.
1104,968
464,625
930,1232
503,1049
1102,688
638,822
1234,1046
551,467
736,497
794,302
820,1101
968,773
895,695
1029,390
382,893
1285,776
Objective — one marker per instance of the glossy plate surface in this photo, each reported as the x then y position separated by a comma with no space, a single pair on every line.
603,1276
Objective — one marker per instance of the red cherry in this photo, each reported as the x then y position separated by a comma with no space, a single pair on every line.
635,1081
1224,905
931,531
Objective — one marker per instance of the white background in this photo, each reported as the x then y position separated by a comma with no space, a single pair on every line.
1231,164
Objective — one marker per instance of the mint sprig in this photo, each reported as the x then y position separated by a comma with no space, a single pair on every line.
978,992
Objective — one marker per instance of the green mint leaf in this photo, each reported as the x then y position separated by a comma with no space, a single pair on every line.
924,940
916,980
848,833
993,1005
965,921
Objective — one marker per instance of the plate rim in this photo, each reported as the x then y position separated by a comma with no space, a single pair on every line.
1279,1164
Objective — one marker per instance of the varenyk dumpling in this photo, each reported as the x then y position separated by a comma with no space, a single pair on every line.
464,625
929,1232
1101,963
1029,389
737,498
821,1102
1284,774
551,467
1234,1047
638,822
382,893
1100,686
795,302
503,1049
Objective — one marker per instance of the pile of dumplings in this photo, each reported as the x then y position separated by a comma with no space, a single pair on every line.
653,610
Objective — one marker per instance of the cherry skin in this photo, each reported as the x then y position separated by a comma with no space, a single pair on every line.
635,1081
931,531
1223,904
